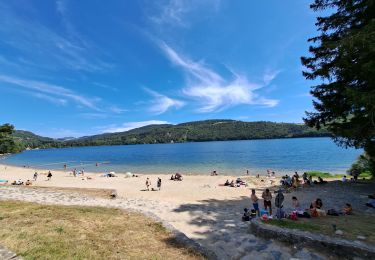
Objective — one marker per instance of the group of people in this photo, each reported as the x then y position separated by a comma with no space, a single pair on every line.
29,182
236,183
176,177
148,184
315,209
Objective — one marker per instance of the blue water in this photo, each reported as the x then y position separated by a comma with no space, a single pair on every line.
230,157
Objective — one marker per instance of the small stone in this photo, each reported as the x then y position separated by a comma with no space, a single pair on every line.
361,237
339,232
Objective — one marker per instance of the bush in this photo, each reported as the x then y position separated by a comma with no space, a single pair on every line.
362,167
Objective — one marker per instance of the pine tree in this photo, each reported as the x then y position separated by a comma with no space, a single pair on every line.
343,60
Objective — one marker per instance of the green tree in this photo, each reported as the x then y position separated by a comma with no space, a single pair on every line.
343,59
7,142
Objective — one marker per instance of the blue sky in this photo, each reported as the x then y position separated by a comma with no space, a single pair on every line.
74,68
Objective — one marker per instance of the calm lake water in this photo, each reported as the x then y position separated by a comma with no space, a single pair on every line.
230,157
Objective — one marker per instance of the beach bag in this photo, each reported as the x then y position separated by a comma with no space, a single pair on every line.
293,216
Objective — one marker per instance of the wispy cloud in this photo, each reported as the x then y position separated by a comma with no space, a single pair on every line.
213,91
130,125
52,50
270,75
175,12
51,92
161,103
117,110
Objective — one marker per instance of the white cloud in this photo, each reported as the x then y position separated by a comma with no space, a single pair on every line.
161,103
117,110
213,91
175,12
52,50
270,75
130,125
50,91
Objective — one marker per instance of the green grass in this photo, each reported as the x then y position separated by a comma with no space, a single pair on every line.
286,223
352,226
36,231
324,174
366,174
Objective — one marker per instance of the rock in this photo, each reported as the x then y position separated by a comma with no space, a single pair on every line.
339,232
361,237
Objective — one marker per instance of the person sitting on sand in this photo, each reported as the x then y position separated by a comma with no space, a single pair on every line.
321,181
28,182
316,204
254,198
214,173
172,178
267,197
344,179
49,176
226,183
347,210
371,202
148,183
178,177
316,208
295,203
304,176
19,182
232,183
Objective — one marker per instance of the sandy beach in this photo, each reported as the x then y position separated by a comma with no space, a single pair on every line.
197,206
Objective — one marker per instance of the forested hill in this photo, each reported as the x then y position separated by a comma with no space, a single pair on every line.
210,130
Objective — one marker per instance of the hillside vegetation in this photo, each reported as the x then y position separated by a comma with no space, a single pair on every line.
209,130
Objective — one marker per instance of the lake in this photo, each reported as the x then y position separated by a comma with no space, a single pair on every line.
229,157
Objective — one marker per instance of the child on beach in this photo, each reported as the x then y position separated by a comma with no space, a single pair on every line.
35,176
267,197
254,198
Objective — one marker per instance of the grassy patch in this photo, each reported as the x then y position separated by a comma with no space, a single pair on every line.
352,226
366,175
324,174
286,223
72,232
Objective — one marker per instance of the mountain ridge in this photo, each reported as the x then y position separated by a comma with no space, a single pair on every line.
195,131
